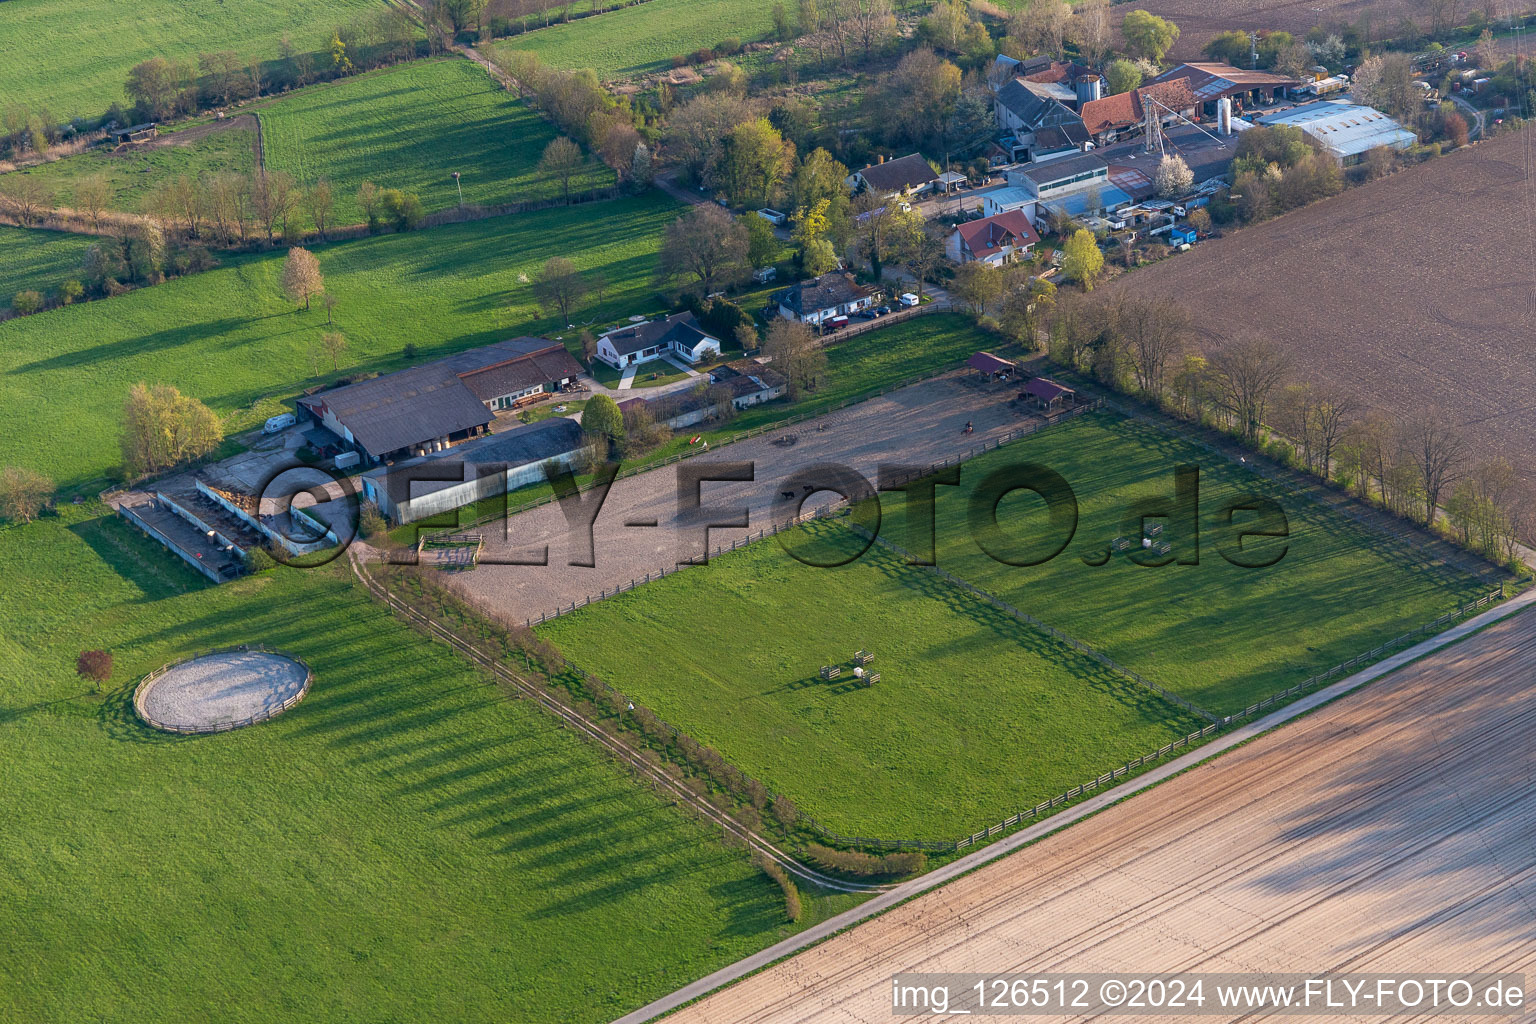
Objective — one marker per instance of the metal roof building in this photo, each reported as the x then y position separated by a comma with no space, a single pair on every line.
1346,131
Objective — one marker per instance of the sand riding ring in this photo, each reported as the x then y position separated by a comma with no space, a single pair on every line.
221,690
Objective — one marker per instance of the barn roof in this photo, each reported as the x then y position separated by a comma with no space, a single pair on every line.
986,362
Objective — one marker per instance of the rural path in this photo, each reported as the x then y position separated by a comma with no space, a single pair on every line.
668,184
1355,840
1479,119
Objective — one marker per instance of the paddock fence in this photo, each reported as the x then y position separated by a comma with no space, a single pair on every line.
262,716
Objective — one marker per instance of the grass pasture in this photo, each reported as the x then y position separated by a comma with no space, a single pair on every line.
975,715
137,172
39,260
230,337
644,38
1214,633
73,56
410,127
406,844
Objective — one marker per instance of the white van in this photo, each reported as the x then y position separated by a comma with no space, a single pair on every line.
282,421
909,300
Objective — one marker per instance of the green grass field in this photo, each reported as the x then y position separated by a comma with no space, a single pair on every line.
411,127
73,56
975,715
1217,634
406,844
39,260
136,173
643,38
230,338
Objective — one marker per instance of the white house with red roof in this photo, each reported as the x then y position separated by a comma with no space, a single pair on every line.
994,240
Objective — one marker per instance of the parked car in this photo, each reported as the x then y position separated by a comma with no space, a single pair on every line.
882,310
836,323
281,421
867,314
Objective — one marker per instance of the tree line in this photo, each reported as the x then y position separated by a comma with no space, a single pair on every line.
1412,462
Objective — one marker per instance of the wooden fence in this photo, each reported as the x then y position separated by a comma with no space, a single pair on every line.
262,716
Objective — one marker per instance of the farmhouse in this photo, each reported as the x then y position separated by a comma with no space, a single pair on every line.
677,335
823,298
903,176
1210,82
743,382
430,407
992,240
483,468
1345,131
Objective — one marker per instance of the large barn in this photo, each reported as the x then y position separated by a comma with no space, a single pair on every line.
428,408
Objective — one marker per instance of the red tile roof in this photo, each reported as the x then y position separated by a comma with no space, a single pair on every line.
1128,108
994,234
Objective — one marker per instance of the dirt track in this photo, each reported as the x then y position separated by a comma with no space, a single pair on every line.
1394,830
1416,290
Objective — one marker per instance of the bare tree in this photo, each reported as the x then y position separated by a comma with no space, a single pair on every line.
1090,29
792,347
709,245
1438,454
1247,372
92,194
559,287
1154,332
26,198
318,201
562,161
334,343
23,493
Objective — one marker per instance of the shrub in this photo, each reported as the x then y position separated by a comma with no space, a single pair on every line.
678,60
69,291
409,351
259,560
23,493
27,302
370,521
728,46
792,905
856,862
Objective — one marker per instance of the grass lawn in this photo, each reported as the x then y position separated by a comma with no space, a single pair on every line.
406,844
643,38
73,56
136,173
975,715
230,338
1217,634
411,127
39,260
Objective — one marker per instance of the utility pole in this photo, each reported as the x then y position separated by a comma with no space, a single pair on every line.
460,188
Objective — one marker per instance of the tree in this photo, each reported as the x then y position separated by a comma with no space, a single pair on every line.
339,59
1200,220
95,666
152,85
1230,47
1148,36
978,285
1385,81
1090,29
1120,75
27,301
92,195
403,209
164,428
695,129
561,161
368,199
751,163
25,197
302,280
1246,373
272,201
795,353
1174,178
921,250
1154,333
602,421
1042,26
819,177
558,287
319,201
919,96
1437,453
334,344
706,244
23,493
762,244
1082,260
747,337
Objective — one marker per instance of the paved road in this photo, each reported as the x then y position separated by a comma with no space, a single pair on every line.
1393,830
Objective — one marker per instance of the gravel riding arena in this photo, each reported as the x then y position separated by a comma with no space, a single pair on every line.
222,690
